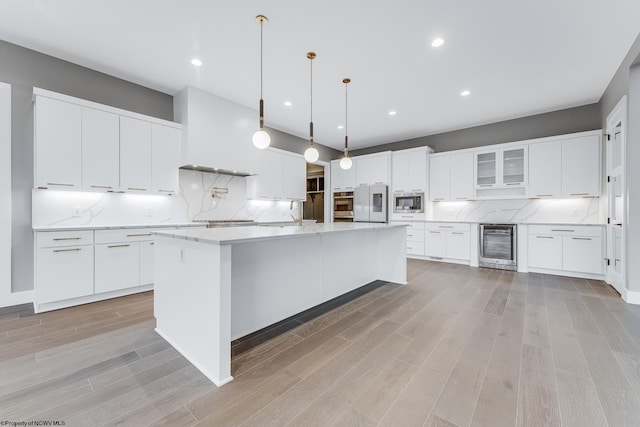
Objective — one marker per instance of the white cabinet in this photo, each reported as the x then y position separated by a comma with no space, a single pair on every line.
117,266
415,237
135,155
281,175
409,170
58,144
447,240
581,166
461,176
545,169
439,177
458,245
435,244
165,159
566,249
146,263
373,168
341,179
64,265
100,150
501,167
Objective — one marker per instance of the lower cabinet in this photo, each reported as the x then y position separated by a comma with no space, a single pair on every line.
146,263
64,273
570,249
458,245
117,266
447,241
435,243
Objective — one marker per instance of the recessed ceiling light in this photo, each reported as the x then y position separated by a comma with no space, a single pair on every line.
437,42
465,93
392,113
287,103
340,127
196,62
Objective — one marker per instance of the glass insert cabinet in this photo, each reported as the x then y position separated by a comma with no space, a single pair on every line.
501,168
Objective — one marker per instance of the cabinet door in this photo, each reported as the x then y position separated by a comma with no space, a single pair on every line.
461,176
400,172
582,254
545,169
267,184
294,177
343,180
439,176
435,243
117,266
100,150
458,245
581,166
372,169
135,155
63,273
514,166
418,172
58,146
165,159
545,251
146,263
486,168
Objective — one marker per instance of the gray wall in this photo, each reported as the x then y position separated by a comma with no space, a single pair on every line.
619,84
24,69
586,117
286,141
633,181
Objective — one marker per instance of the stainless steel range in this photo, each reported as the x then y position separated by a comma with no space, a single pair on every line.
226,222
498,243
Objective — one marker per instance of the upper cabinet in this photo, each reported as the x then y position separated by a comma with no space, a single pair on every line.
373,168
58,144
281,176
409,170
581,166
439,177
341,179
79,144
545,169
294,173
461,176
502,171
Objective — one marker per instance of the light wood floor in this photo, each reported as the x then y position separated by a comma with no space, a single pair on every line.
458,346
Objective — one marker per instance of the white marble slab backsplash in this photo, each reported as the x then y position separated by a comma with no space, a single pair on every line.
195,202
575,211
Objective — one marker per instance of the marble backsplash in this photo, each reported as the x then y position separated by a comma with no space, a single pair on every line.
576,211
203,196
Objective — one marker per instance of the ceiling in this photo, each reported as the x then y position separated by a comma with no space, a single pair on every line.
516,58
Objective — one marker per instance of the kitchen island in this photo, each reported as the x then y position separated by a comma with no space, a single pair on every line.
213,286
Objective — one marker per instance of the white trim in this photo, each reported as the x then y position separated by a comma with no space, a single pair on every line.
631,297
579,275
7,298
16,298
89,104
40,308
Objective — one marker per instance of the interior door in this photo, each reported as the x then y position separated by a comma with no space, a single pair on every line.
615,206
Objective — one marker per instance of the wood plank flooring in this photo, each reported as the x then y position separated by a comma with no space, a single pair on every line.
457,346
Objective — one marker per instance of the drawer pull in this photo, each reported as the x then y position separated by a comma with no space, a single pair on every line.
544,237
166,191
60,184
568,231
581,238
434,232
137,189
579,194
102,186
445,226
436,199
461,198
139,235
514,183
544,195
118,246
67,250
417,190
485,185
407,216
66,238
456,232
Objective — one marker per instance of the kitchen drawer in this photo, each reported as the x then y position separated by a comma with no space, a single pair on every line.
52,239
415,248
415,235
124,235
411,225
448,226
567,230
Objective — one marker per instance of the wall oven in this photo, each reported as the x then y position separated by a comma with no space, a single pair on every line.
498,246
343,206
408,203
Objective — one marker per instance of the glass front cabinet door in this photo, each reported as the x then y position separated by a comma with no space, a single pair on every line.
501,168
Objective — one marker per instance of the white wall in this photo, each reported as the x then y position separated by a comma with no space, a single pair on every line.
5,195
633,182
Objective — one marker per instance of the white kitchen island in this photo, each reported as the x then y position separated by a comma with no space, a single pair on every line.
215,285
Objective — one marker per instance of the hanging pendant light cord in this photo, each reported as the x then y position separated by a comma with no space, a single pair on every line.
261,25
311,97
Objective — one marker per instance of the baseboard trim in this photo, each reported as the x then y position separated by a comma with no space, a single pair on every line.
631,297
16,298
56,305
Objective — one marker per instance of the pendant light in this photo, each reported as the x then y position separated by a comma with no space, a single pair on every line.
261,138
311,154
345,162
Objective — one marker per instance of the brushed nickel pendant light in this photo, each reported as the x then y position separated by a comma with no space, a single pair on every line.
261,138
311,154
346,162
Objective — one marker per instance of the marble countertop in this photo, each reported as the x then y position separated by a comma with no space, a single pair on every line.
114,227
252,233
501,222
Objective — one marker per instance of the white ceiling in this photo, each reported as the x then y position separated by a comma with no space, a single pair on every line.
517,58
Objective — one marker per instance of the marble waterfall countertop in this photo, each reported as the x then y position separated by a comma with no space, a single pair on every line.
221,236
115,227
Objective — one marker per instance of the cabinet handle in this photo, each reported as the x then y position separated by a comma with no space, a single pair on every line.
581,238
380,182
117,246
406,216
137,189
514,183
485,185
67,250
108,187
152,243
544,237
461,198
139,235
66,238
417,190
456,232
434,232
409,235
445,226
399,190
166,191
579,194
436,199
60,184
544,195
568,231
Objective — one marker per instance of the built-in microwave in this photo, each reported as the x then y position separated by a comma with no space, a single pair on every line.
408,203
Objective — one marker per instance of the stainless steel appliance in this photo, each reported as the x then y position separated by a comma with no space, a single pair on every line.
498,243
370,203
343,206
408,202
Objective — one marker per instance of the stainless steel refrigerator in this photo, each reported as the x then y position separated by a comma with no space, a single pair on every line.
370,203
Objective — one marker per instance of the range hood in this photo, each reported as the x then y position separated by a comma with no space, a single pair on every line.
215,170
